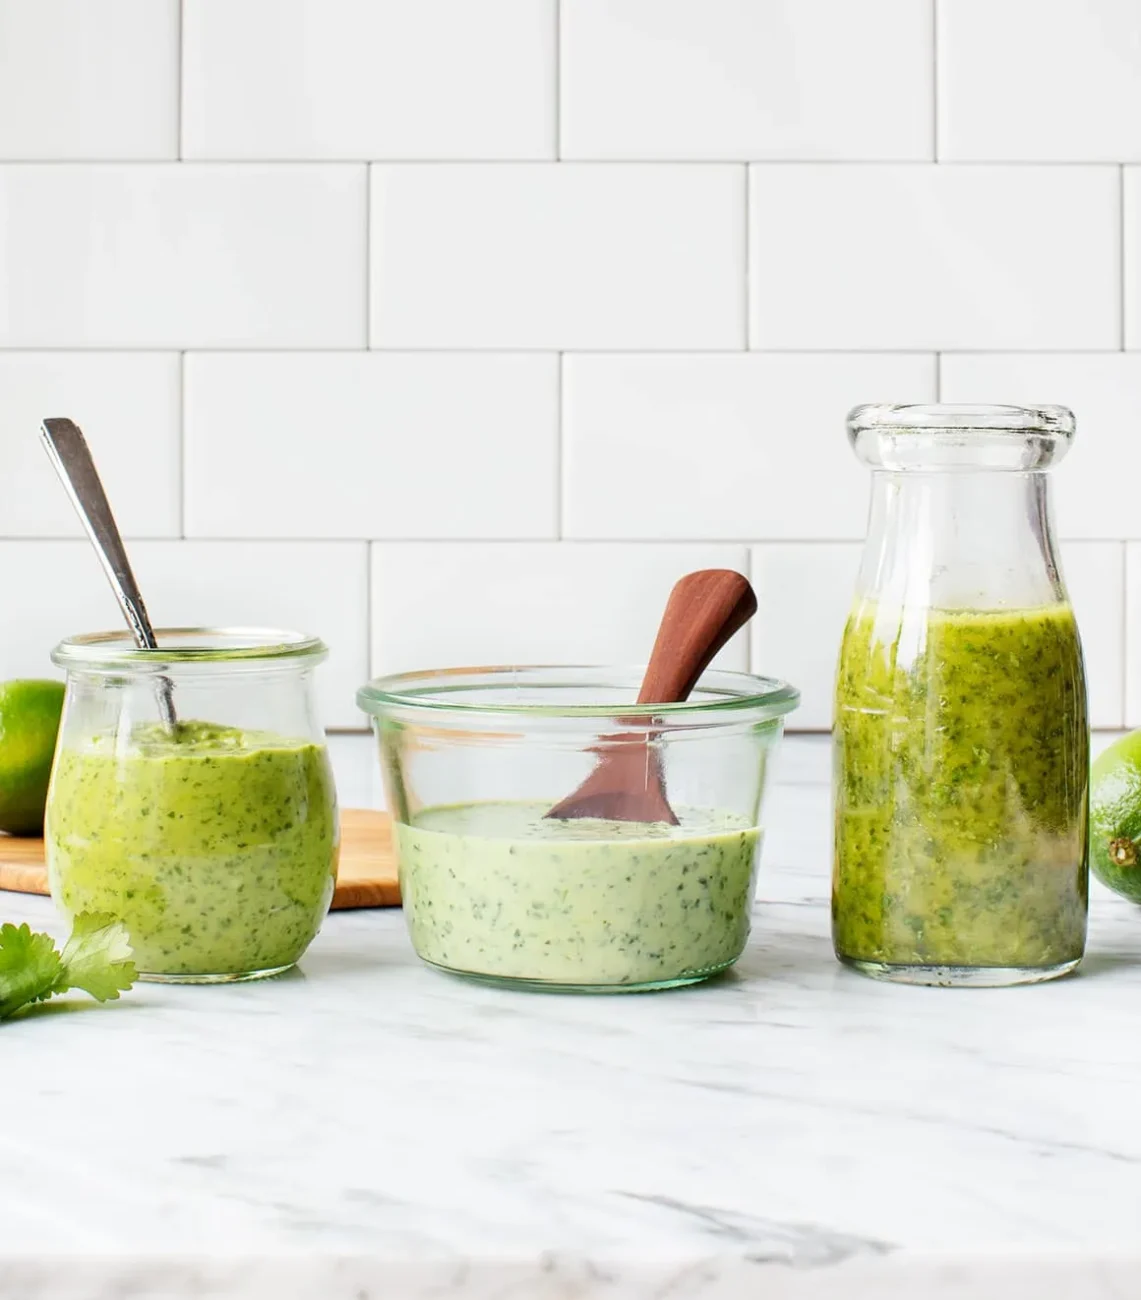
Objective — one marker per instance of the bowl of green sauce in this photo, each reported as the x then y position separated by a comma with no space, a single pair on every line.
474,759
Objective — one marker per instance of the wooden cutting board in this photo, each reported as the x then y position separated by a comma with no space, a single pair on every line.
366,876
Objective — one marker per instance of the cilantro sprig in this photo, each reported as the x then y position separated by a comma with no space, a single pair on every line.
96,959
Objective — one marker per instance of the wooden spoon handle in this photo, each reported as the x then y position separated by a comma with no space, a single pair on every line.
628,783
704,610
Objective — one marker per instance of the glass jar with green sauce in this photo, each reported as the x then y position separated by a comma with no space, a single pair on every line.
961,741
214,841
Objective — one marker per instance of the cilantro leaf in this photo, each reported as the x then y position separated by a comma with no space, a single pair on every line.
97,957
29,968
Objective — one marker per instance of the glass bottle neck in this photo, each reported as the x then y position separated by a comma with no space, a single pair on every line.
960,540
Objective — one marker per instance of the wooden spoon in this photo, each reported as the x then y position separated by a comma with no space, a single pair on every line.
703,612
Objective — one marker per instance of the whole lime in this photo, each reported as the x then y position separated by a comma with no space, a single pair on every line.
1115,817
29,723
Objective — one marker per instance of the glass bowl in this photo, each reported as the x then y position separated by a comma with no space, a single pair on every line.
473,759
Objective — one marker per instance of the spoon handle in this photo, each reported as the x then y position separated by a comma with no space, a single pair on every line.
68,451
703,612
628,783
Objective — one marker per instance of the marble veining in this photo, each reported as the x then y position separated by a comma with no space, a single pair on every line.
367,1127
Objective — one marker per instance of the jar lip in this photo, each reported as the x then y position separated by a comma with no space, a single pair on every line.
961,417
187,645
439,691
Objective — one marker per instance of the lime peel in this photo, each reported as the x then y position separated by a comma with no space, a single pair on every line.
1115,817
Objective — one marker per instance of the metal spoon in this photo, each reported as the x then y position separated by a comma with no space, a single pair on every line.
68,451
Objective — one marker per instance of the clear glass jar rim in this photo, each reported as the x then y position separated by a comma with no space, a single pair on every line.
436,690
215,645
961,417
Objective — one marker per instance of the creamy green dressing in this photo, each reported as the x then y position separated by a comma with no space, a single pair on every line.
217,848
497,890
962,765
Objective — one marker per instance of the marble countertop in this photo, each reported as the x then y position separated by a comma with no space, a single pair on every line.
366,1127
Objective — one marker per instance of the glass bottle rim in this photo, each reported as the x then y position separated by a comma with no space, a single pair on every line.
960,418
187,645
442,690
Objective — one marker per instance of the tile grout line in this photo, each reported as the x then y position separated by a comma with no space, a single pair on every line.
748,257
179,77
369,647
1122,255
368,257
1124,714
325,350
558,79
934,80
292,539
560,451
300,160
182,446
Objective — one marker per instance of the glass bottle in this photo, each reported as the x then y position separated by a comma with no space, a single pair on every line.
215,843
961,742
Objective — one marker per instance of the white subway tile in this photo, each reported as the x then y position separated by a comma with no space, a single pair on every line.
438,604
1023,80
182,255
1131,242
804,593
1094,487
79,600
744,446
934,257
369,79
128,406
1094,573
408,445
88,79
316,587
737,79
558,256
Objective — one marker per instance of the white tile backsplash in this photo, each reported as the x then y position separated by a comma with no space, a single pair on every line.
558,256
804,593
127,403
438,604
1132,649
1026,81
1094,486
743,446
746,79
550,301
316,587
182,255
362,79
80,601
1131,246
1095,578
411,444
934,257
91,79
